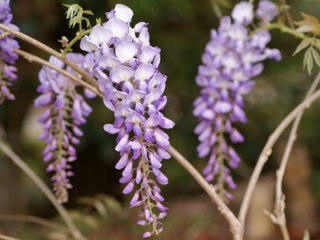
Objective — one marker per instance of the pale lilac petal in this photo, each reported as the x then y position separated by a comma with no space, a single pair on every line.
125,51
117,27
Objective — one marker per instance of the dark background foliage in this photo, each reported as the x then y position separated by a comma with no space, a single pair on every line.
181,29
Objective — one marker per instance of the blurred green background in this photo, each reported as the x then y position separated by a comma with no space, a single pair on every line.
181,29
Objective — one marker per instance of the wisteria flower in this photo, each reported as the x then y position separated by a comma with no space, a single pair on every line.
128,75
267,11
65,111
232,58
7,55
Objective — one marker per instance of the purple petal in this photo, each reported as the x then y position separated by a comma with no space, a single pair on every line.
122,162
122,143
128,189
43,100
110,128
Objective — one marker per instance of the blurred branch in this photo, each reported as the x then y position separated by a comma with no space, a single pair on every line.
3,237
223,208
287,14
33,219
50,51
33,58
278,215
34,177
266,152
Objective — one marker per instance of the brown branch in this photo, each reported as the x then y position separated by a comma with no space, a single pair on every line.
223,208
278,215
50,51
4,237
33,219
266,152
288,15
33,58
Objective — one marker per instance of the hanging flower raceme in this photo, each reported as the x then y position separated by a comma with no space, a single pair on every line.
65,111
126,66
7,55
232,58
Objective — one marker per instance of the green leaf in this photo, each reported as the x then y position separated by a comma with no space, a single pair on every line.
306,235
308,60
316,56
103,204
88,12
316,43
304,43
224,3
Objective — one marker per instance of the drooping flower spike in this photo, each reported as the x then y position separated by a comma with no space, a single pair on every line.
126,66
7,55
65,111
231,59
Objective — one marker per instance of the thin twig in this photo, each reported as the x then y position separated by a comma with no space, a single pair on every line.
34,177
4,237
50,51
33,219
223,208
266,152
32,58
279,212
287,14
283,28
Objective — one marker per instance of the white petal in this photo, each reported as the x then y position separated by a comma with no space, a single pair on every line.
123,12
117,27
126,51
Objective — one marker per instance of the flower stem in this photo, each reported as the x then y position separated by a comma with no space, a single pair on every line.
283,28
78,37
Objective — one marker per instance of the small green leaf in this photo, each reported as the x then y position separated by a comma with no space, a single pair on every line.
308,60
224,3
316,43
88,12
98,21
304,43
316,56
306,235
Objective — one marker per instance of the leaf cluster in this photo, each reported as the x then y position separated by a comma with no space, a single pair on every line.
311,55
311,43
97,209
104,205
309,24
76,15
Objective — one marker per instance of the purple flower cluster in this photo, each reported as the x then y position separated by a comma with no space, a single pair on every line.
65,111
7,56
126,66
232,58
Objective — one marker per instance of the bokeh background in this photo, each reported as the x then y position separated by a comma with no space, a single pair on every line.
181,29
